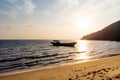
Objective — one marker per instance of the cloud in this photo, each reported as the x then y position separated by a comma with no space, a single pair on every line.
29,25
10,9
12,1
28,6
8,28
61,9
16,7
10,14
80,8
64,10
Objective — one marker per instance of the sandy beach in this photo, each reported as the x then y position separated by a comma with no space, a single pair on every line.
101,69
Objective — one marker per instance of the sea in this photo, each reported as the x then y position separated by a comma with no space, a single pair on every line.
18,55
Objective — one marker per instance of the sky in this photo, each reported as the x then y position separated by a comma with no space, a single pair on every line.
55,19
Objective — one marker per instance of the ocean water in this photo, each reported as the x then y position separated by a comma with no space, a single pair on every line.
27,54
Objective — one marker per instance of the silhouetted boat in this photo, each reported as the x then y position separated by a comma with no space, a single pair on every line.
57,43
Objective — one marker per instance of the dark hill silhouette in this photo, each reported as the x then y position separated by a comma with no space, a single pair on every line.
111,32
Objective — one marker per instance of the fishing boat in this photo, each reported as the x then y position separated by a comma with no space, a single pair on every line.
58,43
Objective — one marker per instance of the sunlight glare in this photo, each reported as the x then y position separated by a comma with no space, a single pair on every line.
82,56
82,48
83,24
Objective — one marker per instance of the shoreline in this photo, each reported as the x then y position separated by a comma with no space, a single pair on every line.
42,68
51,66
69,72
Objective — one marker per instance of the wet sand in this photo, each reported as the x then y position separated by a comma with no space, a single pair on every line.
101,69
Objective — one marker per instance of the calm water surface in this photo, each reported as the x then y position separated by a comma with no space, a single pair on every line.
27,54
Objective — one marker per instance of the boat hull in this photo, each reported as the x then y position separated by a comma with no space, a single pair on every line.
64,44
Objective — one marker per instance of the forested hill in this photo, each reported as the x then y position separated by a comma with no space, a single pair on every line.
111,32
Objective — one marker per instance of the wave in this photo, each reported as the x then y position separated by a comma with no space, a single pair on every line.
27,57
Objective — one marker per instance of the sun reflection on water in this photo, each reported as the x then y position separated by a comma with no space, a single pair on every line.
82,47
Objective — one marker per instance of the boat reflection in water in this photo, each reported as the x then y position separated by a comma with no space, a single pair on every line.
81,48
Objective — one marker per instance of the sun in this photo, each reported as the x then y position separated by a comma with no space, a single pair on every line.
83,24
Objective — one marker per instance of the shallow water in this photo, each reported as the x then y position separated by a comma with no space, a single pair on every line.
25,54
